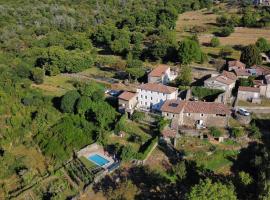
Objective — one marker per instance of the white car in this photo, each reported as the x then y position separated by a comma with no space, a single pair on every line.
243,111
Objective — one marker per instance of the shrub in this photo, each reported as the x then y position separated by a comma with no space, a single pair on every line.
69,100
226,31
255,131
248,82
215,132
37,75
215,42
237,132
250,55
138,116
128,153
146,148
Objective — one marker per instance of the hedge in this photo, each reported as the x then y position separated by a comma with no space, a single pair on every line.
146,148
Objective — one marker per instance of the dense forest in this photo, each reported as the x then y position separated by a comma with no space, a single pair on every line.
41,37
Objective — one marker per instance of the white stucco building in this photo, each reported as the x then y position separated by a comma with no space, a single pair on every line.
151,96
161,74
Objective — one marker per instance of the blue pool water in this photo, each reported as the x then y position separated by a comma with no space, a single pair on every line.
97,159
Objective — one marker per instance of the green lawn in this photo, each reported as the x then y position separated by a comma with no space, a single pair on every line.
87,163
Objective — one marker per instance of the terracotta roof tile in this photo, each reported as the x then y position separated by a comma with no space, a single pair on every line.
159,70
127,95
173,106
224,80
195,107
229,75
249,89
236,63
155,87
206,108
242,72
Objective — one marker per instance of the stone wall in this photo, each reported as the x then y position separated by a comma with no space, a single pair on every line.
190,119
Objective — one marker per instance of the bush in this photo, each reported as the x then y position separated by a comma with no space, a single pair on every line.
215,132
37,75
146,148
237,132
138,116
255,131
215,42
226,31
128,153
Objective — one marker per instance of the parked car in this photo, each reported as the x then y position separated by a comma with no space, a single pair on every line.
243,111
114,93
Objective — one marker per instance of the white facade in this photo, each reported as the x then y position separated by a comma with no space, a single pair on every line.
148,99
163,77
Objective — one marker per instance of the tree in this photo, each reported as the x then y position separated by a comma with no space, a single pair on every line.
103,113
207,190
68,101
189,51
263,45
37,75
215,42
93,90
250,55
185,77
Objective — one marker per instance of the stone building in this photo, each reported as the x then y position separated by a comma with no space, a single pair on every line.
225,81
251,94
127,101
192,113
161,74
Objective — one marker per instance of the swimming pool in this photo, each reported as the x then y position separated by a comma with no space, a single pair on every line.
99,160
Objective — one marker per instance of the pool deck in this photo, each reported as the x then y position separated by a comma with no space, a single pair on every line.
95,149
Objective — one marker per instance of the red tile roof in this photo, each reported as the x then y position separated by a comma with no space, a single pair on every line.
242,72
258,82
260,70
159,70
173,106
236,63
225,80
155,87
229,75
249,89
127,95
206,108
196,107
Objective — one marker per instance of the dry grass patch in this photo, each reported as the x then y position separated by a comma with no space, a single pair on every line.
241,36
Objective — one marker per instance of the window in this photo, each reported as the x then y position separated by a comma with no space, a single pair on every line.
146,103
145,97
151,98
188,114
167,114
141,96
201,114
173,115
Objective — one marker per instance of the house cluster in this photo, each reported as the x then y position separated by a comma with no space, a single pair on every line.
157,96
226,81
